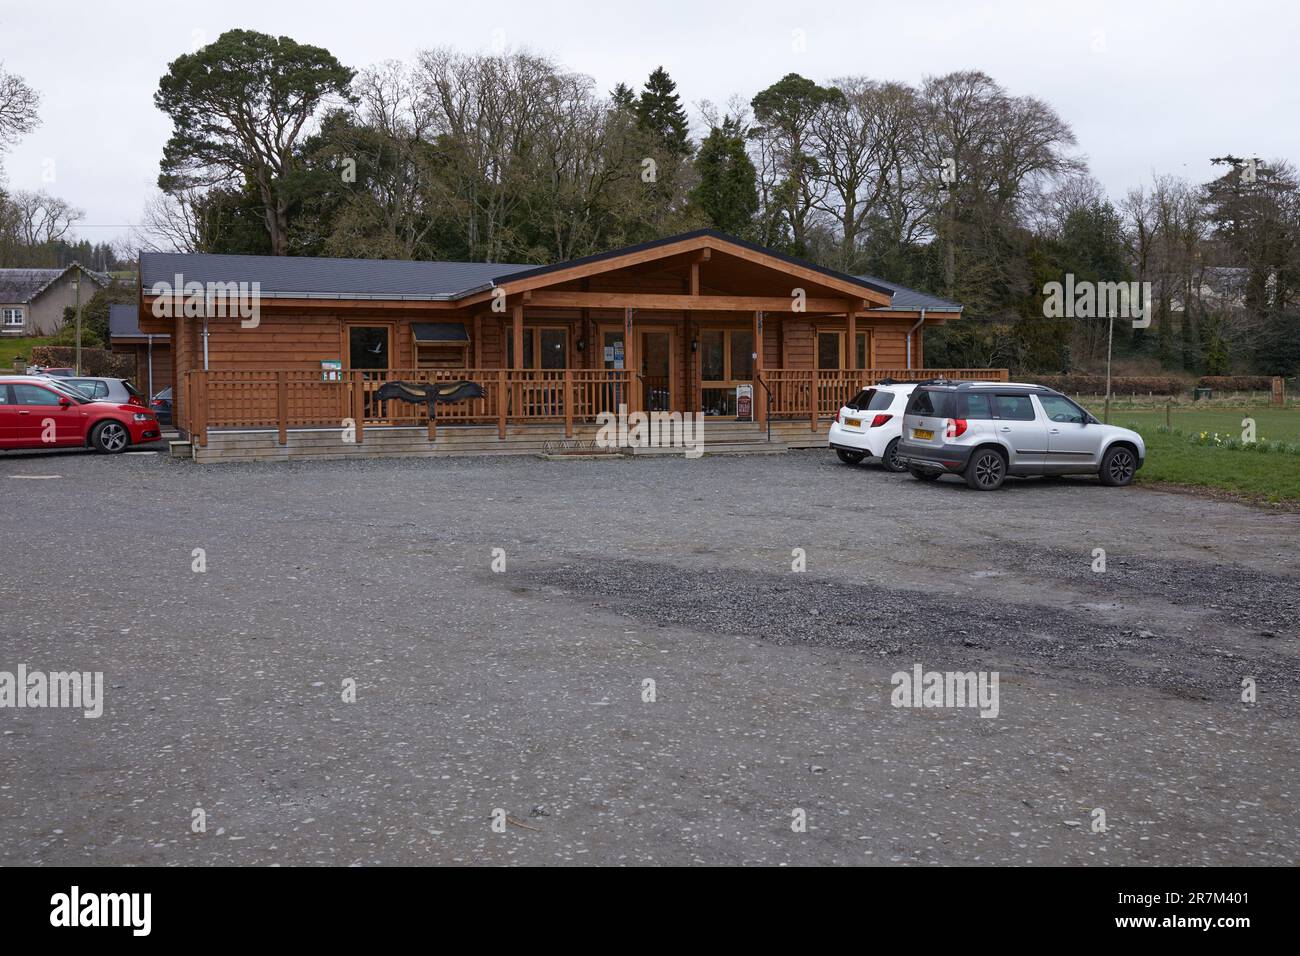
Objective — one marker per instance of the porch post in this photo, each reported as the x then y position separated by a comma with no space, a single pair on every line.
760,396
478,340
630,363
519,336
852,346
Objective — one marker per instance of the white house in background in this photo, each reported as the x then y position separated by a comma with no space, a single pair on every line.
32,300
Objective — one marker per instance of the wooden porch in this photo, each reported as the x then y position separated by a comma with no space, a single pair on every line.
518,405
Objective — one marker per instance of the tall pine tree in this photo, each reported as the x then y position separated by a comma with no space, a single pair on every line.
659,113
727,191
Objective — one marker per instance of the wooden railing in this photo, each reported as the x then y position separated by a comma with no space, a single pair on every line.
286,399
817,394
315,399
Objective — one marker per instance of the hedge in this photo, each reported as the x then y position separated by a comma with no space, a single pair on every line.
1125,385
93,361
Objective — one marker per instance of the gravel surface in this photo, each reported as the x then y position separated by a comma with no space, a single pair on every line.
524,691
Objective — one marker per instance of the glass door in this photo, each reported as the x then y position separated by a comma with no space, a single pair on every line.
726,360
656,371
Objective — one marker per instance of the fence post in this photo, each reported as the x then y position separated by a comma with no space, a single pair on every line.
568,403
359,404
201,408
502,385
282,406
812,399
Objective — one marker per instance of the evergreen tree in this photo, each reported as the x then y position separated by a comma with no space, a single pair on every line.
659,113
727,191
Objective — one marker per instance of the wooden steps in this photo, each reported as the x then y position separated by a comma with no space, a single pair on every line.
326,444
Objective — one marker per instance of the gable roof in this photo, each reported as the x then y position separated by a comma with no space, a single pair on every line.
124,323
24,285
402,280
911,300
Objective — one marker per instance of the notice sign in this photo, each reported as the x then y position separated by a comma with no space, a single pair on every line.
744,403
331,370
609,353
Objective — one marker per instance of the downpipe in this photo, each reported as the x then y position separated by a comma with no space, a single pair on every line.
919,322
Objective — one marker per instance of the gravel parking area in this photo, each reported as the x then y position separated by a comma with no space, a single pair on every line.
523,691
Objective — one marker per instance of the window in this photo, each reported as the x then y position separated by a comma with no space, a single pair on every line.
25,394
979,407
830,350
1016,408
545,348
90,386
12,317
936,404
872,400
1060,409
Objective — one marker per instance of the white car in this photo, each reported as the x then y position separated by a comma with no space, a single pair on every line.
871,424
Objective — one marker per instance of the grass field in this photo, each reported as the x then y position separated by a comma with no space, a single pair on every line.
1259,475
9,348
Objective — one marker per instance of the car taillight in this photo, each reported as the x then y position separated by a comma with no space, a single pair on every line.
880,420
839,417
956,428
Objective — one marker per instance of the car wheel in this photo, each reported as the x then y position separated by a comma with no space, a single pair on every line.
920,475
890,458
986,470
1118,466
110,438
850,457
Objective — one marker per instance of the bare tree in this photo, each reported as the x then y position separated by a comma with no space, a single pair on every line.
18,105
42,218
861,139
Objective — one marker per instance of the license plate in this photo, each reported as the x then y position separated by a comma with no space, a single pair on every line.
853,422
922,433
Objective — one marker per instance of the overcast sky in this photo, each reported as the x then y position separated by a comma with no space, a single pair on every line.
1147,86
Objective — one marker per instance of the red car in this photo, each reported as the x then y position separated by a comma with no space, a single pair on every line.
42,413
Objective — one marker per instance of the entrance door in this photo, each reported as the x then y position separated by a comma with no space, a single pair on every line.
656,370
370,352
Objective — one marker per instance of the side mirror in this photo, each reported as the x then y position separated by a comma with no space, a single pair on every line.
64,401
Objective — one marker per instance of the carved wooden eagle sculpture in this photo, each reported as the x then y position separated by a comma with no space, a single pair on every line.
429,392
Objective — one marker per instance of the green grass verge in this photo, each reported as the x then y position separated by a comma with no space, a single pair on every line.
1258,473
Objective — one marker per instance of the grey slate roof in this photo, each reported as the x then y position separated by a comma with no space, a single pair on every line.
301,277
124,322
910,300
23,285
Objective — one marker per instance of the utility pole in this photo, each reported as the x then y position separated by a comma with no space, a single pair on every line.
76,288
1110,342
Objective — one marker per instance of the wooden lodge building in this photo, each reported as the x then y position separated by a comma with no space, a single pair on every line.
768,347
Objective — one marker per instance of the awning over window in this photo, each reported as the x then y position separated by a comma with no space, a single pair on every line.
439,333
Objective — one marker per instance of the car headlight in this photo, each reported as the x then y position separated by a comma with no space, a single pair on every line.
143,417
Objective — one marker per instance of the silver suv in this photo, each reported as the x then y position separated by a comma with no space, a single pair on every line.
986,431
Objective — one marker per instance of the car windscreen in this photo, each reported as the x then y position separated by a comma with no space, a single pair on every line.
69,390
935,403
90,387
